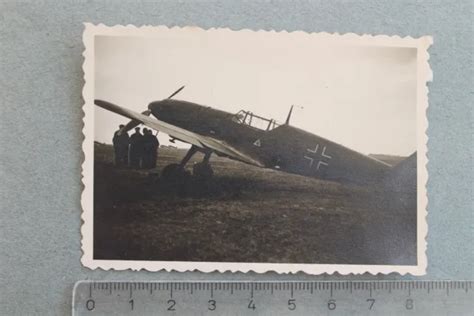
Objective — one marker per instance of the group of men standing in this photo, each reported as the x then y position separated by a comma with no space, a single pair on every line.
137,151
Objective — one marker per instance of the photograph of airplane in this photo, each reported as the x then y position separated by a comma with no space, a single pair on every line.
252,150
251,139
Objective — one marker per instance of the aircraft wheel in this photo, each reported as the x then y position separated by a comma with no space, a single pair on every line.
173,172
202,170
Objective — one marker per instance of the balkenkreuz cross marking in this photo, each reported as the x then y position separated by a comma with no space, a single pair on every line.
312,156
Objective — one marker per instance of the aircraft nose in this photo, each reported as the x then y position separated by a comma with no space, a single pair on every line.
154,106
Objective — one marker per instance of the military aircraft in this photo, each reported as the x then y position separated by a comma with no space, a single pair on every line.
251,139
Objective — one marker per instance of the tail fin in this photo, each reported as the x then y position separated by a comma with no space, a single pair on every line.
403,176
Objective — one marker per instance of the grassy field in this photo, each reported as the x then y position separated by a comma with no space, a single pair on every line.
246,214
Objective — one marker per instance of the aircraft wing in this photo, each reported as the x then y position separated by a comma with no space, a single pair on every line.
182,134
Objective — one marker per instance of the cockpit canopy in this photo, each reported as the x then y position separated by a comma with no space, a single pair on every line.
255,121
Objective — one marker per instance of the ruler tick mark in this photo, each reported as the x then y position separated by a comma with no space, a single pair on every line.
102,292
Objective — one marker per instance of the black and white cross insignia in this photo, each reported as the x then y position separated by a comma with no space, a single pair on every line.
315,159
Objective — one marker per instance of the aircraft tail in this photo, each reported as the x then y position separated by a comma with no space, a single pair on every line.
403,176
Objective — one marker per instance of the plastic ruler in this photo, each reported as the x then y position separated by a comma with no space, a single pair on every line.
274,298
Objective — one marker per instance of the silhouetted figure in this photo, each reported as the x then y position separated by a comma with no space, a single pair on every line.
136,149
155,145
146,150
150,147
120,142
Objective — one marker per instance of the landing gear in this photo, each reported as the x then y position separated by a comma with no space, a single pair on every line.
174,172
201,170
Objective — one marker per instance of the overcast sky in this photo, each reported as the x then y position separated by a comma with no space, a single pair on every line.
363,97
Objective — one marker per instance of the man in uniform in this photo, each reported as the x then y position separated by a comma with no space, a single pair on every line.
154,149
136,148
150,147
120,142
146,150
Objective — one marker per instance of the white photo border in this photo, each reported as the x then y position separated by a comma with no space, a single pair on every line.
424,75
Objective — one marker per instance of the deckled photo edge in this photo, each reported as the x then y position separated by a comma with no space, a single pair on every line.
424,75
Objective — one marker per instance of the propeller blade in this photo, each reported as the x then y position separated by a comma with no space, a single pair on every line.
176,92
133,123
287,122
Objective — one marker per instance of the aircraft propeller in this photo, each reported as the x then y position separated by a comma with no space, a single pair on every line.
134,123
176,92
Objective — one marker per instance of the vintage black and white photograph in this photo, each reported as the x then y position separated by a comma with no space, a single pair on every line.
254,150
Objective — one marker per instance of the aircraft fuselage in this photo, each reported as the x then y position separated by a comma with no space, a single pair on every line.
284,147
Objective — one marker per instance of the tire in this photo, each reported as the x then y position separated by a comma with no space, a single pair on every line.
173,172
202,171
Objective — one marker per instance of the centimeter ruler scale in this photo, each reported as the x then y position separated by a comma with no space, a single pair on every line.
273,298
